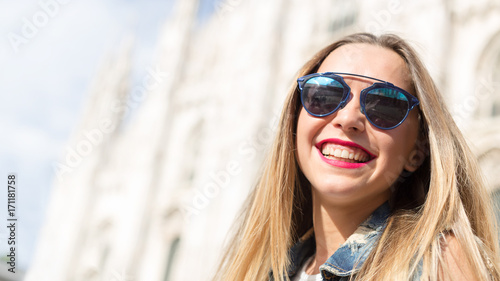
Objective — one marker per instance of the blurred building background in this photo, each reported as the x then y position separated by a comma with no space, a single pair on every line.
157,173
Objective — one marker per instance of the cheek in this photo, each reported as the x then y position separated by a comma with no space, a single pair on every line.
305,135
411,130
400,142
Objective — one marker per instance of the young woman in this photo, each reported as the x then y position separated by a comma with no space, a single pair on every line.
368,178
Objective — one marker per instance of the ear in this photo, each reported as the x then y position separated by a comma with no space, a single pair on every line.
415,159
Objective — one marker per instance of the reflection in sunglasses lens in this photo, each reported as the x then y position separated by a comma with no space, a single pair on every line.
322,95
386,107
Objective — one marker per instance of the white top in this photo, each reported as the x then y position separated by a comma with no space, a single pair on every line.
303,276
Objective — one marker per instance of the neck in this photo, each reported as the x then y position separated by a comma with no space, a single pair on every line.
333,224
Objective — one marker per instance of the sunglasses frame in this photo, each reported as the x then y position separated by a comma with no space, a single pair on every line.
412,100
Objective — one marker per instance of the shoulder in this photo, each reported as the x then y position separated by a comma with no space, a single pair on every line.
455,264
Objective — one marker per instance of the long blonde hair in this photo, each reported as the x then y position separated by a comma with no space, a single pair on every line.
444,195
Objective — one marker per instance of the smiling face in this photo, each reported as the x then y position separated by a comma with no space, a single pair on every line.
346,159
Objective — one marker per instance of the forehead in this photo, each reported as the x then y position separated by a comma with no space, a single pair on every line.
369,60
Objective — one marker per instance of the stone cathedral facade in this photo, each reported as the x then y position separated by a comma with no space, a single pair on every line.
155,174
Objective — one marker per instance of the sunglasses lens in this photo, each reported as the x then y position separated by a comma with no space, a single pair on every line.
322,95
386,107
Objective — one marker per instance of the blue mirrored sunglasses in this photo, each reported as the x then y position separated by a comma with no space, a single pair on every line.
384,105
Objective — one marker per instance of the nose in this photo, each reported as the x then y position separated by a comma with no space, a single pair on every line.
350,118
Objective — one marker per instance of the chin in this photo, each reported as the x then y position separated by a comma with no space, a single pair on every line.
342,194
337,190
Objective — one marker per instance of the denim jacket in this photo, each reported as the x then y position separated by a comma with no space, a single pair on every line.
350,256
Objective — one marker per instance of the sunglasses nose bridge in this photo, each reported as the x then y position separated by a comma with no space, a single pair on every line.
348,117
349,99
345,100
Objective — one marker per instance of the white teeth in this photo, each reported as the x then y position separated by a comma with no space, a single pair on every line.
357,155
337,153
345,154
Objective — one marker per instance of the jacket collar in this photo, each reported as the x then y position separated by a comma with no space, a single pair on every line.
351,255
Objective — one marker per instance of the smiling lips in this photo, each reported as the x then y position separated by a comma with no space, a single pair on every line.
343,154
352,155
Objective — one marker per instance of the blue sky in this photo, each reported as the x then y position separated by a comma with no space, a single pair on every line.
47,64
